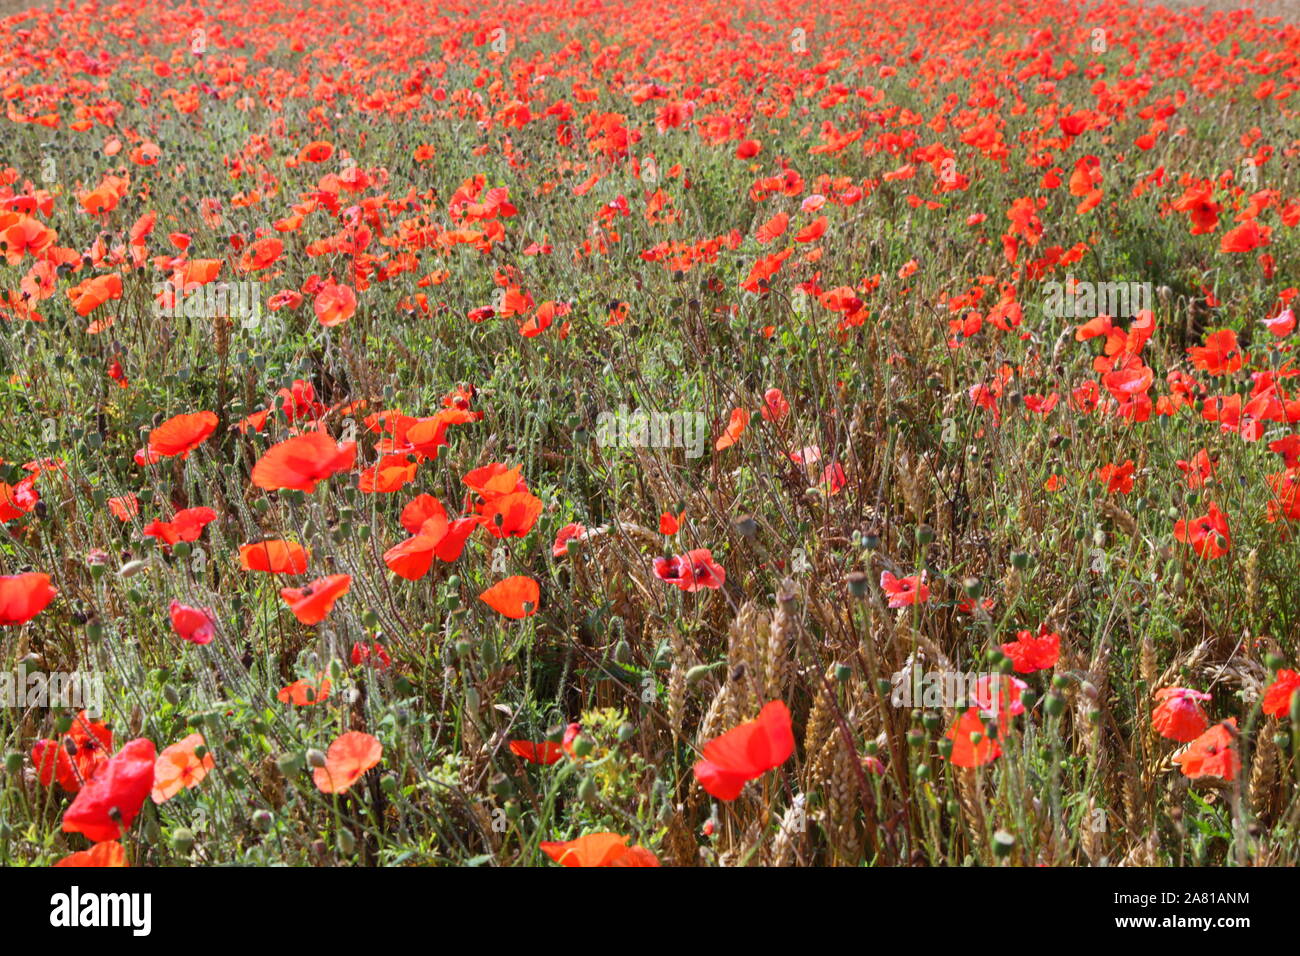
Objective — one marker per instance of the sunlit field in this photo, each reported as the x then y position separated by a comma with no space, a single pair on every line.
649,434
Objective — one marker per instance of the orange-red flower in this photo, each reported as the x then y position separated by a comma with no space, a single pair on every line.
311,603
746,752
303,462
1213,753
346,760
515,597
179,767
599,849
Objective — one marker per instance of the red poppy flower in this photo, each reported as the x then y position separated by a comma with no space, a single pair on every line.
23,596
1279,694
1213,753
106,806
904,592
346,760
735,428
303,462
691,571
76,756
1207,535
1179,716
374,654
545,753
334,304
570,532
1029,653
179,767
181,434
966,751
746,752
512,515
273,556
516,597
305,693
193,624
109,853
186,525
599,849
775,407
310,604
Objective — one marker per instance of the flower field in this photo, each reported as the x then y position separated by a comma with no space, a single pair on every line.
614,433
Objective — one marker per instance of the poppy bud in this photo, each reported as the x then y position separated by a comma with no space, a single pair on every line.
315,759
843,672
858,584
132,568
583,746
1019,560
945,748
347,843
924,534
923,772
622,652
916,738
931,721
974,588
181,549
501,786
262,820
336,670
169,692
182,840
13,764
587,790
1054,705
473,700
1028,698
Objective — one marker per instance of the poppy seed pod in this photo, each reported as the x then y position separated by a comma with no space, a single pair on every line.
1003,843
858,584
182,840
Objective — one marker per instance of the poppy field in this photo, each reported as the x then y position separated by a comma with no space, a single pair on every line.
616,433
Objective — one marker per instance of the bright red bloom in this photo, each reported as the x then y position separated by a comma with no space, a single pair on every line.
1029,653
966,752
691,571
1179,715
75,757
106,806
516,597
746,752
193,624
904,592
1207,535
599,849
303,462
310,604
1213,753
23,596
1279,694
186,525
346,761
182,434
545,753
